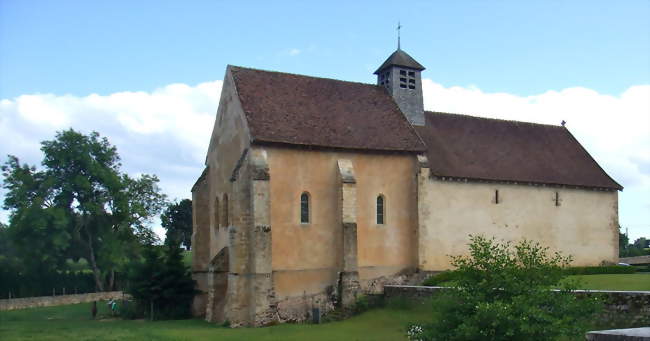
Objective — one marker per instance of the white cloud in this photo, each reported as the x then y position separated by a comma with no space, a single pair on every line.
163,132
294,52
166,131
614,129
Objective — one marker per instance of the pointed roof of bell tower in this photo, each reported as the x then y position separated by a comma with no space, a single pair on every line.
400,58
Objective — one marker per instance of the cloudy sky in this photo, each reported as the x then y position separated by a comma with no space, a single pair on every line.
148,74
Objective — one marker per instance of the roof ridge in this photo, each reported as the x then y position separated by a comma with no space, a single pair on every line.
301,75
494,119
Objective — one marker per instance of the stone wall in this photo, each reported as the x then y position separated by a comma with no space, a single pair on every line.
631,305
582,222
48,301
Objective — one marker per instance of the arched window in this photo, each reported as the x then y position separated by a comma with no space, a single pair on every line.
304,208
216,212
225,218
381,209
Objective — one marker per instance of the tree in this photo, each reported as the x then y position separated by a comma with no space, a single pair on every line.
641,243
623,242
79,205
503,292
162,284
177,220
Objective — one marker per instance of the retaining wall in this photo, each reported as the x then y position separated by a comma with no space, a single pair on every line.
634,306
47,301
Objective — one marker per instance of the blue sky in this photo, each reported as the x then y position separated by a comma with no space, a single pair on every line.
522,55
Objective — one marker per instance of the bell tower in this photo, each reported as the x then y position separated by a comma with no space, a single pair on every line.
400,75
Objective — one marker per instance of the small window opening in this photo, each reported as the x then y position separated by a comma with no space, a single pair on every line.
411,86
402,79
225,219
216,213
304,208
411,73
496,196
557,199
402,72
380,209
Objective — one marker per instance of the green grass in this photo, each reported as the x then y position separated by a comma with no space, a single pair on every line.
627,282
72,322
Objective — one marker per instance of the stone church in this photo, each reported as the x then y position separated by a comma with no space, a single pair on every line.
318,190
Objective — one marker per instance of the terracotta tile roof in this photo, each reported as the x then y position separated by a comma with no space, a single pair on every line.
489,149
301,110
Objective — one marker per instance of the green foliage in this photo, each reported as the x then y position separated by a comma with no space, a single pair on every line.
438,279
504,293
79,206
599,270
163,282
638,248
177,220
364,303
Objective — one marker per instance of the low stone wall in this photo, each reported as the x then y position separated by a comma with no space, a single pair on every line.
639,260
632,305
47,301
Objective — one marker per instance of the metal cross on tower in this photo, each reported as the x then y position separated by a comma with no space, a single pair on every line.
399,27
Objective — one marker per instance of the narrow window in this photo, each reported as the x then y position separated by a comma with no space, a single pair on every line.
402,72
557,199
216,213
225,219
304,208
380,209
496,196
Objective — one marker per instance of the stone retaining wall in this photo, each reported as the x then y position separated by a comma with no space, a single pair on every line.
634,306
47,301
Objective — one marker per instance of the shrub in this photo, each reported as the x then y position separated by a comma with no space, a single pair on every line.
161,284
503,293
437,279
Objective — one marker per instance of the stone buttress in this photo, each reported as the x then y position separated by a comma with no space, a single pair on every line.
348,285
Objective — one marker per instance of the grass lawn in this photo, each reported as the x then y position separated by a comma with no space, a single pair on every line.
632,282
72,322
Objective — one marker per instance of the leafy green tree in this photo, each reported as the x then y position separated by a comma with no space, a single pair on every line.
623,242
641,243
177,220
504,292
79,205
161,284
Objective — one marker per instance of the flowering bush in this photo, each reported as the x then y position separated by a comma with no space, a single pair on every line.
504,293
414,333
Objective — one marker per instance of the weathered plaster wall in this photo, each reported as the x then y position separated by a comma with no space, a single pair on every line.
585,224
307,258
230,139
200,244
228,147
